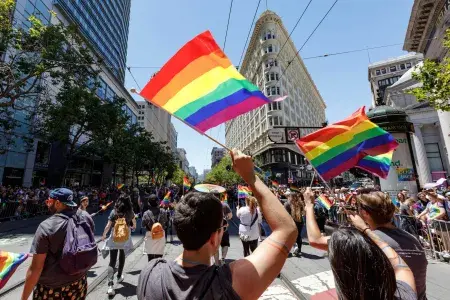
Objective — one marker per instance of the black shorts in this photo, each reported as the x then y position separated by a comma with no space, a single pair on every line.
225,239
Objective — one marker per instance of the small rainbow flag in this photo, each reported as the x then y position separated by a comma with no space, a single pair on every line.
243,191
295,189
275,184
166,200
120,185
8,264
186,184
324,201
224,197
340,146
200,86
378,165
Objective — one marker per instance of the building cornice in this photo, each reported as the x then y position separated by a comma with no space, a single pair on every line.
423,15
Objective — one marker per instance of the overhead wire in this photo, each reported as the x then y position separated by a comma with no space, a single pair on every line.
249,32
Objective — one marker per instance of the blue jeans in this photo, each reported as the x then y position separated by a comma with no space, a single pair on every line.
266,228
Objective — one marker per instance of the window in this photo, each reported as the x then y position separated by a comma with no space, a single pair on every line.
393,68
270,121
378,72
273,90
402,66
267,76
434,157
278,90
268,92
383,71
408,65
272,76
275,121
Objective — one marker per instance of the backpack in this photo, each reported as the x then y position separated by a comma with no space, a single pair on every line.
121,232
157,230
79,253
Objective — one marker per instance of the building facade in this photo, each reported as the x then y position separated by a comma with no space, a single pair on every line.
277,72
429,21
158,122
45,163
385,73
193,172
182,160
105,25
216,155
173,138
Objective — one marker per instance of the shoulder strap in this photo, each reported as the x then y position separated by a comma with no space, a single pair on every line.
254,220
209,284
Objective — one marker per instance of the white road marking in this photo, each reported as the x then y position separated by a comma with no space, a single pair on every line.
277,292
14,240
316,283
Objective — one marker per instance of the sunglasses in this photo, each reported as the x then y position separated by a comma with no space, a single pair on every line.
224,225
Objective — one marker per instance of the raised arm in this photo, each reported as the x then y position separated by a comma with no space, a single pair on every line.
315,238
260,268
401,269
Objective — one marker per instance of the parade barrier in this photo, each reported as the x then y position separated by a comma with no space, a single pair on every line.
19,210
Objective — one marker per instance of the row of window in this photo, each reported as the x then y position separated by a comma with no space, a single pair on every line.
273,91
388,81
38,9
270,49
275,121
271,63
272,76
402,66
268,34
274,106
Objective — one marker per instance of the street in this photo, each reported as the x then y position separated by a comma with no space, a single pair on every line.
310,275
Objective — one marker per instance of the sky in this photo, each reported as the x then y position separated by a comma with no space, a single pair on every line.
159,28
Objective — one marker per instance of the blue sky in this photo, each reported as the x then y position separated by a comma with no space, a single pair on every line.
159,28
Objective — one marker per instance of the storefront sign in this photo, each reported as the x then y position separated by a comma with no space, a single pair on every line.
277,135
405,174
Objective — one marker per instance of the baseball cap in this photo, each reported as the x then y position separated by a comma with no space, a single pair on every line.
63,195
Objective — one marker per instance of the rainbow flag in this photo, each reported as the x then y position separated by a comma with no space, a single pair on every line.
340,146
275,184
186,184
224,197
120,185
243,191
294,189
166,200
324,201
8,264
200,86
378,165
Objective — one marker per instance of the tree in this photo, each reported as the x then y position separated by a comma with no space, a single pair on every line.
178,176
223,173
32,55
435,79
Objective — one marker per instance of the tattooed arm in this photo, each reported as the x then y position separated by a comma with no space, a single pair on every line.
401,269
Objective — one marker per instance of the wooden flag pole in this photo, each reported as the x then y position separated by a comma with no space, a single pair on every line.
133,90
312,179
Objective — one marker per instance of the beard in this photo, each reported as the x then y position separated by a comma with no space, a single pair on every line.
52,208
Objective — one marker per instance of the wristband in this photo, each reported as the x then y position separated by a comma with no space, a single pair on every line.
364,231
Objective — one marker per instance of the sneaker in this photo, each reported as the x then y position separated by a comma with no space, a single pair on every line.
110,291
222,261
119,280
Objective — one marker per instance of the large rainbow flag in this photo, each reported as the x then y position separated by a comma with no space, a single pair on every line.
8,264
243,191
186,184
200,86
324,201
378,165
340,146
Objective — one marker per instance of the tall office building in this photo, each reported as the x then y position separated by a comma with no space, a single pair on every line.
105,25
216,155
385,73
277,72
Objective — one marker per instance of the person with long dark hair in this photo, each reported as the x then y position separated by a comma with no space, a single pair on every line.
122,221
296,208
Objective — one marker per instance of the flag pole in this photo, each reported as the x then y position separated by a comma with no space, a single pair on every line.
134,91
316,172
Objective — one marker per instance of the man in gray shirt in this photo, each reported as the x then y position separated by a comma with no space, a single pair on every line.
45,272
199,225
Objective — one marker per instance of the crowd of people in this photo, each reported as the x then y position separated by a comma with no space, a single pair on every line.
381,251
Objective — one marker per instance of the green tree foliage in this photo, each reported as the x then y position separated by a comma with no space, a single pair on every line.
435,79
223,173
178,176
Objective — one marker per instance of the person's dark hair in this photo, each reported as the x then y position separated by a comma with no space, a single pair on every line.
196,217
153,200
361,270
123,205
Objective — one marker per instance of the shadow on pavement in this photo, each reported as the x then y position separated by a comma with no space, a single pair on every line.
126,290
312,256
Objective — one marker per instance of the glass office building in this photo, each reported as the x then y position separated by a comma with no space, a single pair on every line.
105,24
